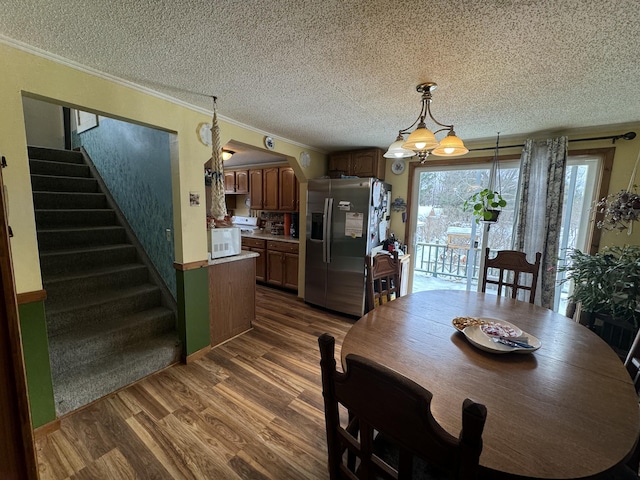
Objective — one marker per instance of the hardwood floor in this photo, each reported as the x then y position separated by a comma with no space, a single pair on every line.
250,409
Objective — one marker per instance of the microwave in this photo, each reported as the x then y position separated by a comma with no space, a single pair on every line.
224,242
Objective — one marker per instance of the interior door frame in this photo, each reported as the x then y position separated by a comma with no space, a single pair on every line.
17,449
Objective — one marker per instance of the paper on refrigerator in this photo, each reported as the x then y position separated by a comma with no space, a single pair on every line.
353,224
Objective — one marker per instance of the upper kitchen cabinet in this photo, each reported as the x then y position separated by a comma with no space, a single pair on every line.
271,193
236,181
273,189
360,163
255,189
288,190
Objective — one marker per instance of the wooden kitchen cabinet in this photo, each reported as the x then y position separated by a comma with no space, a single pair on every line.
258,246
229,182
271,192
360,163
273,189
255,189
288,189
282,264
236,181
339,164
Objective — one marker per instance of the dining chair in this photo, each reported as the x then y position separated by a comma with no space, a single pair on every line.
383,278
390,431
511,261
632,362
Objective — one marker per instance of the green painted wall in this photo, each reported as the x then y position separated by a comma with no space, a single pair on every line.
35,347
193,303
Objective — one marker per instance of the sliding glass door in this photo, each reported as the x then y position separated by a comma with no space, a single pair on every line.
446,240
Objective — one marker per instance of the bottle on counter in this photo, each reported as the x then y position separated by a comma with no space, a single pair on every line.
287,224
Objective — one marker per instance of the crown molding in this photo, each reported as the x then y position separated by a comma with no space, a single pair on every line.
18,45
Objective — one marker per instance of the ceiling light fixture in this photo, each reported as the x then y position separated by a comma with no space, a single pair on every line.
422,141
226,155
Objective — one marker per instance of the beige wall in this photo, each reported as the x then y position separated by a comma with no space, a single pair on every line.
37,77
625,157
44,123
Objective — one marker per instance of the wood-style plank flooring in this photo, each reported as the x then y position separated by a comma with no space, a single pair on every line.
250,409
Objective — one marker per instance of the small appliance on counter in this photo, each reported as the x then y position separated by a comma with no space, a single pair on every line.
277,229
224,242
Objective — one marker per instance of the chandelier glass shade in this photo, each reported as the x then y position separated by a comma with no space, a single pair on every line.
396,150
450,146
422,141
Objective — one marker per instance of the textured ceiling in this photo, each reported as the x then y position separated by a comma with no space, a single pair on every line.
337,74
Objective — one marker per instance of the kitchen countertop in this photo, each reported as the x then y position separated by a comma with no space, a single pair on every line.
243,255
269,236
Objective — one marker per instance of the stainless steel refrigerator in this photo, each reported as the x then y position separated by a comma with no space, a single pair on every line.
346,218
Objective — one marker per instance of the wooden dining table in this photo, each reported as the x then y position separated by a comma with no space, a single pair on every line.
567,410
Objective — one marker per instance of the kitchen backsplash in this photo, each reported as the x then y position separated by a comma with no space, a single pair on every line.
273,222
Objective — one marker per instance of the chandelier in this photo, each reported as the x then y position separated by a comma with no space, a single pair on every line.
422,141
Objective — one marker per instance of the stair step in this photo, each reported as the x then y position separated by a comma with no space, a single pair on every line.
95,280
99,340
77,312
46,167
63,238
89,381
68,200
83,259
74,217
67,156
56,183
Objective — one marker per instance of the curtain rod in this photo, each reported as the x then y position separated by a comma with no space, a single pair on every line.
626,136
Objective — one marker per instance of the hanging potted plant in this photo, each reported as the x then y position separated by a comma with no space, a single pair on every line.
485,205
621,209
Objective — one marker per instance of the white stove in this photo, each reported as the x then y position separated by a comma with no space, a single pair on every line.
245,224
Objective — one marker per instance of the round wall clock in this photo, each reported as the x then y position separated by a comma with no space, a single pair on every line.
204,133
398,166
269,143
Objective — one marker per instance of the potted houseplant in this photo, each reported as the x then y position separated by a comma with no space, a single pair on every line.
606,285
485,205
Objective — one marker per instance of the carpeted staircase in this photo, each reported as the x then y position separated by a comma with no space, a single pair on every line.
108,323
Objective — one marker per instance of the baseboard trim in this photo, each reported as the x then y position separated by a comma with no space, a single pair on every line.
231,338
44,430
30,297
197,355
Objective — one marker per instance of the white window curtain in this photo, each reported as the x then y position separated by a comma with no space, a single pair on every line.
542,171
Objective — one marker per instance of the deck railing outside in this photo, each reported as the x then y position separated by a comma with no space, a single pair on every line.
439,260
